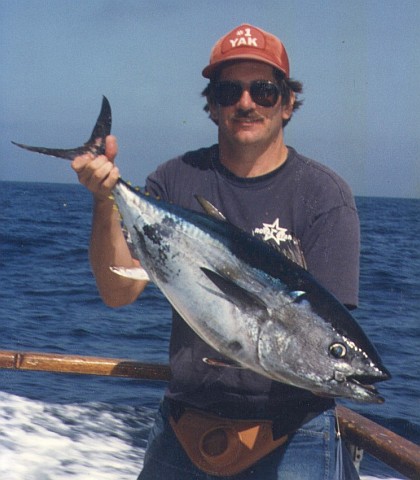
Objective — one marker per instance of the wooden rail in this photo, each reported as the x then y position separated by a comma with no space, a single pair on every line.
54,362
390,448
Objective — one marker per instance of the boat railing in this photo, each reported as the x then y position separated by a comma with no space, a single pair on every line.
357,430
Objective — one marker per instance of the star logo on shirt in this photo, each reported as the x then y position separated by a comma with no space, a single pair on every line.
273,231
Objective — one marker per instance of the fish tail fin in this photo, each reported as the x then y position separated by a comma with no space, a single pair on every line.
95,144
103,124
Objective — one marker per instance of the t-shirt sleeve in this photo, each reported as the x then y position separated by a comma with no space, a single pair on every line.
332,252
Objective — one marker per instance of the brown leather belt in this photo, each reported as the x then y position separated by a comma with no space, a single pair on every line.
221,446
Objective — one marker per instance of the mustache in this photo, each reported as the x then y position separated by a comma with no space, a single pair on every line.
246,115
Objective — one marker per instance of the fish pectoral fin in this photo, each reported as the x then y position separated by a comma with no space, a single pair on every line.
214,362
234,293
135,273
209,208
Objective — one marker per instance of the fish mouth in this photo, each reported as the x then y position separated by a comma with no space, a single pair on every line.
364,383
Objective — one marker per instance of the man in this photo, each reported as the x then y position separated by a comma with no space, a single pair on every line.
264,187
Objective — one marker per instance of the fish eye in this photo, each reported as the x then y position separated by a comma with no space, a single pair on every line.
338,350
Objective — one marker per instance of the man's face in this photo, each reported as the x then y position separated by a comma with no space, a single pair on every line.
246,122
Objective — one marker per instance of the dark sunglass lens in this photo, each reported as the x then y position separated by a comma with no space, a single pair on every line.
265,94
227,93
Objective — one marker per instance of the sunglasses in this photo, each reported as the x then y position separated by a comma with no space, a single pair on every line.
263,92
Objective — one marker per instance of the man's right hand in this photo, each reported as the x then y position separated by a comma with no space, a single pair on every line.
99,174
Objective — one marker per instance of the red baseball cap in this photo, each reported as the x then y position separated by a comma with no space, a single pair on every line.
248,43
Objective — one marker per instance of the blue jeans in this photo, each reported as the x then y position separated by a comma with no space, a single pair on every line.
310,454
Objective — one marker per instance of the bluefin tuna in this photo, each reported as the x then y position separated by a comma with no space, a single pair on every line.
255,305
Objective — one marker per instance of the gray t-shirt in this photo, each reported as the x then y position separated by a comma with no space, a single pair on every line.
302,196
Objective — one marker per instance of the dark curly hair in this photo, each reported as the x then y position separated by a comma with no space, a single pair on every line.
286,86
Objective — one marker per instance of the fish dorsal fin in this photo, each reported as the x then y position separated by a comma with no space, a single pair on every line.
236,294
210,209
288,245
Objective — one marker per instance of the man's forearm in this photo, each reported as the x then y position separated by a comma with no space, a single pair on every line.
108,247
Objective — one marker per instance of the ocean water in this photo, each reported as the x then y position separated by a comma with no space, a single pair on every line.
59,426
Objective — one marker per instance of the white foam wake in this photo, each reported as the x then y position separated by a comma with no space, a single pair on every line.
43,441
40,441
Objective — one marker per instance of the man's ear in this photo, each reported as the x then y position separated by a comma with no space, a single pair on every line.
288,109
214,112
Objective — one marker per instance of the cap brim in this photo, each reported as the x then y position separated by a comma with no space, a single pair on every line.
210,70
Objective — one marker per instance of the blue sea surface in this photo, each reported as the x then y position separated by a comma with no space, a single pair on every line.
57,426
